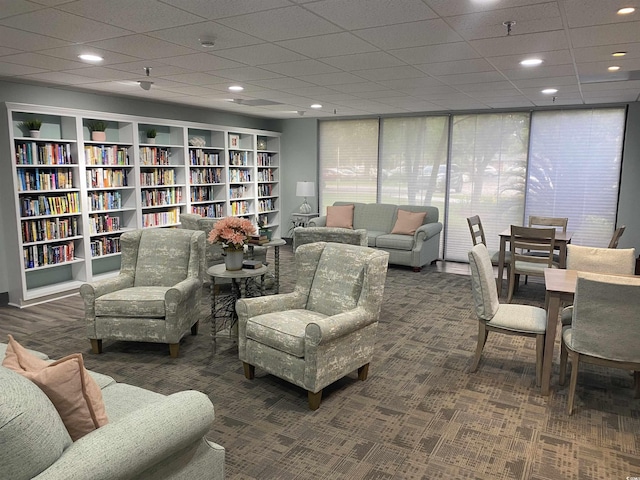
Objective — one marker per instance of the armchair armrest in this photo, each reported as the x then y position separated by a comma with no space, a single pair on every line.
318,221
108,285
427,231
251,307
126,448
335,326
183,290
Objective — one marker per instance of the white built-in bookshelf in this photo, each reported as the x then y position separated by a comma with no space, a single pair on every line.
75,196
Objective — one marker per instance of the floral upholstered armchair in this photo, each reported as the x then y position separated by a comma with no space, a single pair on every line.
324,329
156,297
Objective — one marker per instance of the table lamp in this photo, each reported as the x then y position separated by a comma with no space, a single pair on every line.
305,189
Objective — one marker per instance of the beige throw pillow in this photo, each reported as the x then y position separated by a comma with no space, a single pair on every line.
74,393
340,216
408,222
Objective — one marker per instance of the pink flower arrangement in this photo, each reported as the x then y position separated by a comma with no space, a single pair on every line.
232,231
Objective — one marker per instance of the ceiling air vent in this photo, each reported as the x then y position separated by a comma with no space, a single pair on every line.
611,77
255,103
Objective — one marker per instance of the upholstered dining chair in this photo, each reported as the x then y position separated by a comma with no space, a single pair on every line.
525,320
612,261
531,252
613,243
559,223
477,236
325,328
156,296
605,327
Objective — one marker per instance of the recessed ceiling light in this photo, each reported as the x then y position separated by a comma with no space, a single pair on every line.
618,54
549,91
626,10
236,88
613,68
207,43
316,105
90,58
531,62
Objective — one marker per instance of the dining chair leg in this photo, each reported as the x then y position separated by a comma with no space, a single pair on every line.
482,339
564,353
575,360
539,358
511,287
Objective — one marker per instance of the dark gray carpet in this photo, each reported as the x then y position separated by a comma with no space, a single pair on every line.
419,415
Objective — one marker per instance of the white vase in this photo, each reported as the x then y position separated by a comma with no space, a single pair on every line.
233,258
151,140
34,133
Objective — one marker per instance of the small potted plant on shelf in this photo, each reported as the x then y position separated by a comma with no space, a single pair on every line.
97,129
151,135
33,126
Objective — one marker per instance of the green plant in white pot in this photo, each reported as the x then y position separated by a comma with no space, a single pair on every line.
98,130
33,126
151,135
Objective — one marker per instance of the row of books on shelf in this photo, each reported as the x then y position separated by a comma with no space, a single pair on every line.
50,205
239,175
42,255
105,200
238,192
32,153
164,176
200,157
106,155
215,210
159,219
266,175
207,175
154,156
266,204
106,177
159,197
49,229
103,224
265,190
238,158
105,246
45,179
202,194
264,160
239,207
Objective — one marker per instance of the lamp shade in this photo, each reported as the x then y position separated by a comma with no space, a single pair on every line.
305,189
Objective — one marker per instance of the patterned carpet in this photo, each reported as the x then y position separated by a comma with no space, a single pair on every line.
419,415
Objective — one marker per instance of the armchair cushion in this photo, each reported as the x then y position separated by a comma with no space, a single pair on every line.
284,331
338,280
148,302
162,260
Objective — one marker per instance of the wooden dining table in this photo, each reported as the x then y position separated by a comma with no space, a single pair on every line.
561,241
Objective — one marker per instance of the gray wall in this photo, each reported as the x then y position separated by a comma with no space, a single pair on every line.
629,200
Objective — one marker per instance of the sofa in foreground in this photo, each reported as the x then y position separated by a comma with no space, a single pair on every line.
379,219
148,435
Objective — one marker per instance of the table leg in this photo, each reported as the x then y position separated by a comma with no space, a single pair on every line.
562,253
276,254
503,246
550,340
213,311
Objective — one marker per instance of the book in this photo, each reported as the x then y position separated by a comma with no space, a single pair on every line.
252,264
258,240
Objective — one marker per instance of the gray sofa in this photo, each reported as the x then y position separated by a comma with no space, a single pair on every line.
378,220
149,435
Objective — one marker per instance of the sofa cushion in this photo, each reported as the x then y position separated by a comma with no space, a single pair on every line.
75,395
340,216
395,241
375,217
408,222
372,236
32,434
283,331
145,302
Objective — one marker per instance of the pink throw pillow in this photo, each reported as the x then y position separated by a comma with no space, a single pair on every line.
340,216
74,393
408,222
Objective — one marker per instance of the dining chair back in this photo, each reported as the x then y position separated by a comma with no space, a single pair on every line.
605,327
531,252
478,237
559,223
524,320
616,236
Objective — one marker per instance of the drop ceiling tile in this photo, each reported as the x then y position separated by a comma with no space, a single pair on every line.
413,34
201,62
355,14
226,8
63,78
605,34
523,102
283,83
147,16
583,13
595,68
63,26
13,69
43,62
244,74
512,62
263,54
142,46
436,53
27,41
102,73
363,61
300,67
7,51
339,78
16,7
411,83
546,82
391,73
281,24
448,8
314,91
385,92
197,78
328,45
359,88
603,52
461,66
487,87
71,52
529,44
191,36
610,86
193,90
157,69
465,78
540,72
